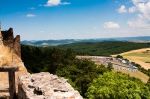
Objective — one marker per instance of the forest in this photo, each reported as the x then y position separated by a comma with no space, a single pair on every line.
102,48
91,80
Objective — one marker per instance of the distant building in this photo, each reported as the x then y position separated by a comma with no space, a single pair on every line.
117,63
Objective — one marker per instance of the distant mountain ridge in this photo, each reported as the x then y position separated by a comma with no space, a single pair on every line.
68,41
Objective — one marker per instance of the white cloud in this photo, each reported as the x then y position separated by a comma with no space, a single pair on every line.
66,3
32,8
138,23
142,7
132,9
140,16
122,9
31,15
55,3
111,25
138,1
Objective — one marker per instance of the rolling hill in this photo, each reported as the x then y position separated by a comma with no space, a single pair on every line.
103,48
68,41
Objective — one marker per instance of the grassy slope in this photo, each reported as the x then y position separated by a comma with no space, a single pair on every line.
140,56
137,74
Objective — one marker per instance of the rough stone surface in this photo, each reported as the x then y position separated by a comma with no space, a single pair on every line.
11,42
45,86
32,86
10,55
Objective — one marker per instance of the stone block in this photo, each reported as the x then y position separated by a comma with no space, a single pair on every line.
45,86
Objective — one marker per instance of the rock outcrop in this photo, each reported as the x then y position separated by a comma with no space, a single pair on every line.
45,86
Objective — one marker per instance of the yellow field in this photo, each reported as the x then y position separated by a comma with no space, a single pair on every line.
140,56
144,78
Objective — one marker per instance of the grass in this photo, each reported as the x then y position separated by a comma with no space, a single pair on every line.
9,58
5,55
144,78
140,56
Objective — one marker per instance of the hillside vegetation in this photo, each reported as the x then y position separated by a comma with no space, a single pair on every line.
103,48
80,73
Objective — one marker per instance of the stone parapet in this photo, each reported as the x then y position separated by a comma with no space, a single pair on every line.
45,86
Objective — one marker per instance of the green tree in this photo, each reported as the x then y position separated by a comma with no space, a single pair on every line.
117,86
148,83
54,60
119,56
81,73
102,69
110,66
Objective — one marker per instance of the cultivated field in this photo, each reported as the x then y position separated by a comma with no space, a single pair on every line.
144,78
140,56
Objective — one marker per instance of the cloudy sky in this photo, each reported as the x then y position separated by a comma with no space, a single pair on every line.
75,19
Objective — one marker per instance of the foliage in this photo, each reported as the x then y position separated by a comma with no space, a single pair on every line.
119,56
63,63
110,66
102,69
103,48
82,72
148,83
117,86
32,58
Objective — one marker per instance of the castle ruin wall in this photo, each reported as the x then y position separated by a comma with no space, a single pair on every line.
11,42
45,86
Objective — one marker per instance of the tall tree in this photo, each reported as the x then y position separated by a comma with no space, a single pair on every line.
110,66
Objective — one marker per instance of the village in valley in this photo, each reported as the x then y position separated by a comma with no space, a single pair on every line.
117,63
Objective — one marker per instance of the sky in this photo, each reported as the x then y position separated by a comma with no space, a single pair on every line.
75,19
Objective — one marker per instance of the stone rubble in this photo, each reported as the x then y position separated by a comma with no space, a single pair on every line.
45,86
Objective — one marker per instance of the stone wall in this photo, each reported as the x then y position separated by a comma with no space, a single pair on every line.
45,86
11,42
